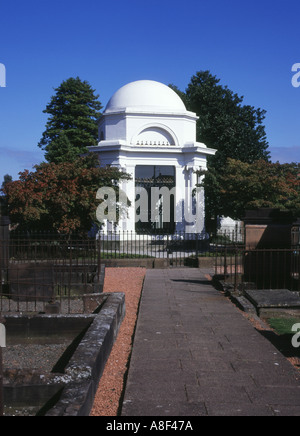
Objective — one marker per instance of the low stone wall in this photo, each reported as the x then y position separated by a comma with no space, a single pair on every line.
159,263
69,389
127,263
85,368
206,262
37,281
42,327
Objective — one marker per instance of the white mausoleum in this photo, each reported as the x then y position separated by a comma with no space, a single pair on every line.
146,131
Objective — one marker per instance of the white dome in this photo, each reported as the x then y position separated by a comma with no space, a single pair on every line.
145,96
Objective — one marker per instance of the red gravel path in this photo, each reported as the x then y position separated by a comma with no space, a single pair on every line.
129,281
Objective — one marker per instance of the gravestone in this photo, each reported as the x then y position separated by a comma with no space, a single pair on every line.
274,302
31,281
268,228
268,241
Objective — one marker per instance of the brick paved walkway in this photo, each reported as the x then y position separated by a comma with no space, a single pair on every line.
195,354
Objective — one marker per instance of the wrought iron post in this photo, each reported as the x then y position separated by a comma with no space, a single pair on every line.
4,263
1,384
2,321
98,248
4,238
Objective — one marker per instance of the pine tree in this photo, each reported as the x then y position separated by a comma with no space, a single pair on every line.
72,123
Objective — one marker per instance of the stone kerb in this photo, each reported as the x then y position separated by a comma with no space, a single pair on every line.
85,368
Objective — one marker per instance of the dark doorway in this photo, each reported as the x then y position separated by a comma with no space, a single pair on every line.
160,201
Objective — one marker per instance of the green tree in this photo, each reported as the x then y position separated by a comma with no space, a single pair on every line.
225,123
256,185
236,130
72,124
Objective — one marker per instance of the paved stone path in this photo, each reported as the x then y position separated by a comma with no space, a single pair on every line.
195,354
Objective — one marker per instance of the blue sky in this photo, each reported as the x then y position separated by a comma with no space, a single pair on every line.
250,46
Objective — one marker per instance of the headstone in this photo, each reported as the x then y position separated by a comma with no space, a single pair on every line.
268,240
31,281
274,301
267,228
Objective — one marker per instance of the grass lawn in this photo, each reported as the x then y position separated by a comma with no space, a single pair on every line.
282,338
283,326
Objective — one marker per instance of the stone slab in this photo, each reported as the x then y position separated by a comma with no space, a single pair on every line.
273,298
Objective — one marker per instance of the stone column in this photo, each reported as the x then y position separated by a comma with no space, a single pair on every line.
128,222
200,204
180,198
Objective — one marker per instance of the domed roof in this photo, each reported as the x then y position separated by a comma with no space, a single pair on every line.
145,96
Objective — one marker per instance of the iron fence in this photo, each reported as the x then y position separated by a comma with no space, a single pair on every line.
37,271
296,235
178,249
261,268
2,321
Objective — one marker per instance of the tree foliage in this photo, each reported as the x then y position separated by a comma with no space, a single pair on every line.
72,124
6,179
3,200
225,123
60,196
251,186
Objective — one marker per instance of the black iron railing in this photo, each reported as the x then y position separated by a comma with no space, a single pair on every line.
37,271
178,249
263,268
42,268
